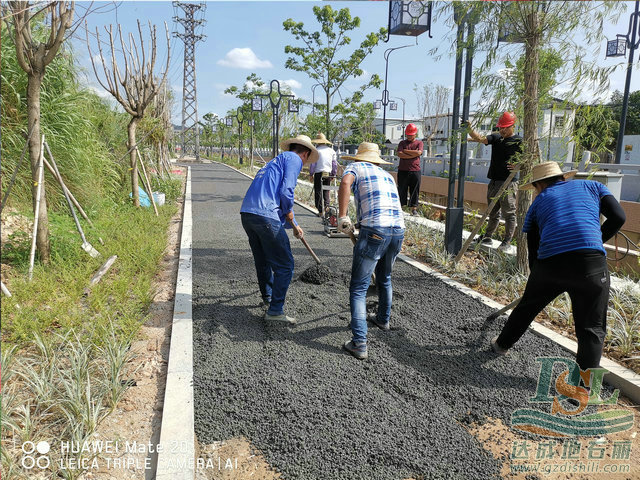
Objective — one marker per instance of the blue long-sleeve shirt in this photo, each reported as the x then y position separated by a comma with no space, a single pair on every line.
271,192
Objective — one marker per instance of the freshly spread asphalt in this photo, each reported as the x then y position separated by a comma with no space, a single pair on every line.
314,411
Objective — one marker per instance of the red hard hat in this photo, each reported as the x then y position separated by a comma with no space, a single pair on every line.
411,129
506,119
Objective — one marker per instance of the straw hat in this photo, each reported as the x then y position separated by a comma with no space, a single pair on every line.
367,152
321,139
546,170
301,140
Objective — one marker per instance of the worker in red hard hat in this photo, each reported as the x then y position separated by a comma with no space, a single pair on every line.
409,169
506,147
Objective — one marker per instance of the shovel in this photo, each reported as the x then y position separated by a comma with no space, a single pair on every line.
315,257
497,313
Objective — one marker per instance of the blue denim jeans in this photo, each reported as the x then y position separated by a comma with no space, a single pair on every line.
376,249
272,256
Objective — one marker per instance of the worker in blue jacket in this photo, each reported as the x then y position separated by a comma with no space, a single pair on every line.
267,209
566,254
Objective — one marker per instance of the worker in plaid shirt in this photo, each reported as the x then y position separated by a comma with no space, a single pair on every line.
381,234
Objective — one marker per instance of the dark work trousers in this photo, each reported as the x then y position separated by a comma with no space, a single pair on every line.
409,181
319,195
585,277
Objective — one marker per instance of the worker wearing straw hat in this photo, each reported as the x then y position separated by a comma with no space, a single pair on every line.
267,209
566,254
381,222
322,171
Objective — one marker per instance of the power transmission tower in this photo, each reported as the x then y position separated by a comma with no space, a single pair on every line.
190,128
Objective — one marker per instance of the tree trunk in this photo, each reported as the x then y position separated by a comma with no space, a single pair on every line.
33,115
327,120
530,126
131,130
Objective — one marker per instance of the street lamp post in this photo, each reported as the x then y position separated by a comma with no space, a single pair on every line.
385,92
617,48
228,122
251,123
256,106
239,116
403,105
455,215
313,99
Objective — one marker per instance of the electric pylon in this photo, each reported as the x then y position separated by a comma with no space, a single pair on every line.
190,128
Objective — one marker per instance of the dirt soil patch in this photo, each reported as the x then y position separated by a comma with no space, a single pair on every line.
234,459
527,457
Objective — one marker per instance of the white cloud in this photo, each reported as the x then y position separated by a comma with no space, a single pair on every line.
292,84
243,58
101,92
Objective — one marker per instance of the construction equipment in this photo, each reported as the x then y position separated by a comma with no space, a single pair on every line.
330,214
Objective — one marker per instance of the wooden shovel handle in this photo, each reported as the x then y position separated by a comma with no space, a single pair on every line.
315,257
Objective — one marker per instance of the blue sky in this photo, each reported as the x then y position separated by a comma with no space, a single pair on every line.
244,37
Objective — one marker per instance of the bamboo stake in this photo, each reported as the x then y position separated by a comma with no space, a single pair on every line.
64,188
6,291
147,184
86,246
32,255
495,199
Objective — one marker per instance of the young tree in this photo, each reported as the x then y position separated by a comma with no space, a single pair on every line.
571,27
432,107
136,88
361,121
632,126
33,56
319,55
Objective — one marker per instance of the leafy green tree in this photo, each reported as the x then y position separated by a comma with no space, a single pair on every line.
632,126
321,55
595,130
361,122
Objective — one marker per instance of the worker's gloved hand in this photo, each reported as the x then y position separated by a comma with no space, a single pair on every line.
345,225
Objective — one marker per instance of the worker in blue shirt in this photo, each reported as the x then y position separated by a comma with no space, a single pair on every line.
267,209
566,254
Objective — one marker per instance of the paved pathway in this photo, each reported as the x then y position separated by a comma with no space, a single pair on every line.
314,411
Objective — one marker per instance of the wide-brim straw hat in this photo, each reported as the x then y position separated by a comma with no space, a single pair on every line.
321,139
546,170
367,152
301,140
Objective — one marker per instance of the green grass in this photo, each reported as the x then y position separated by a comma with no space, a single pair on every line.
54,302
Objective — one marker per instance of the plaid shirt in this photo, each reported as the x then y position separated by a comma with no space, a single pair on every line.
376,196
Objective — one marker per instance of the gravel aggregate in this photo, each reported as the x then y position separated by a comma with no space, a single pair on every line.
314,411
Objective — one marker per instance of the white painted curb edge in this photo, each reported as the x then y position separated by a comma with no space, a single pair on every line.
620,377
177,436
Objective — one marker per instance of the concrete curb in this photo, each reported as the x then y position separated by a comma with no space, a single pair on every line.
619,377
176,453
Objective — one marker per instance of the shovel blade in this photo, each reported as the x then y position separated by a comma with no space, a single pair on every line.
87,247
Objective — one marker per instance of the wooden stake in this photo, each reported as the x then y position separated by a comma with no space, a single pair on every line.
147,184
495,199
32,255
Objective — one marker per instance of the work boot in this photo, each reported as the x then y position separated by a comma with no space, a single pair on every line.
486,241
497,348
358,350
280,318
504,246
414,212
373,318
